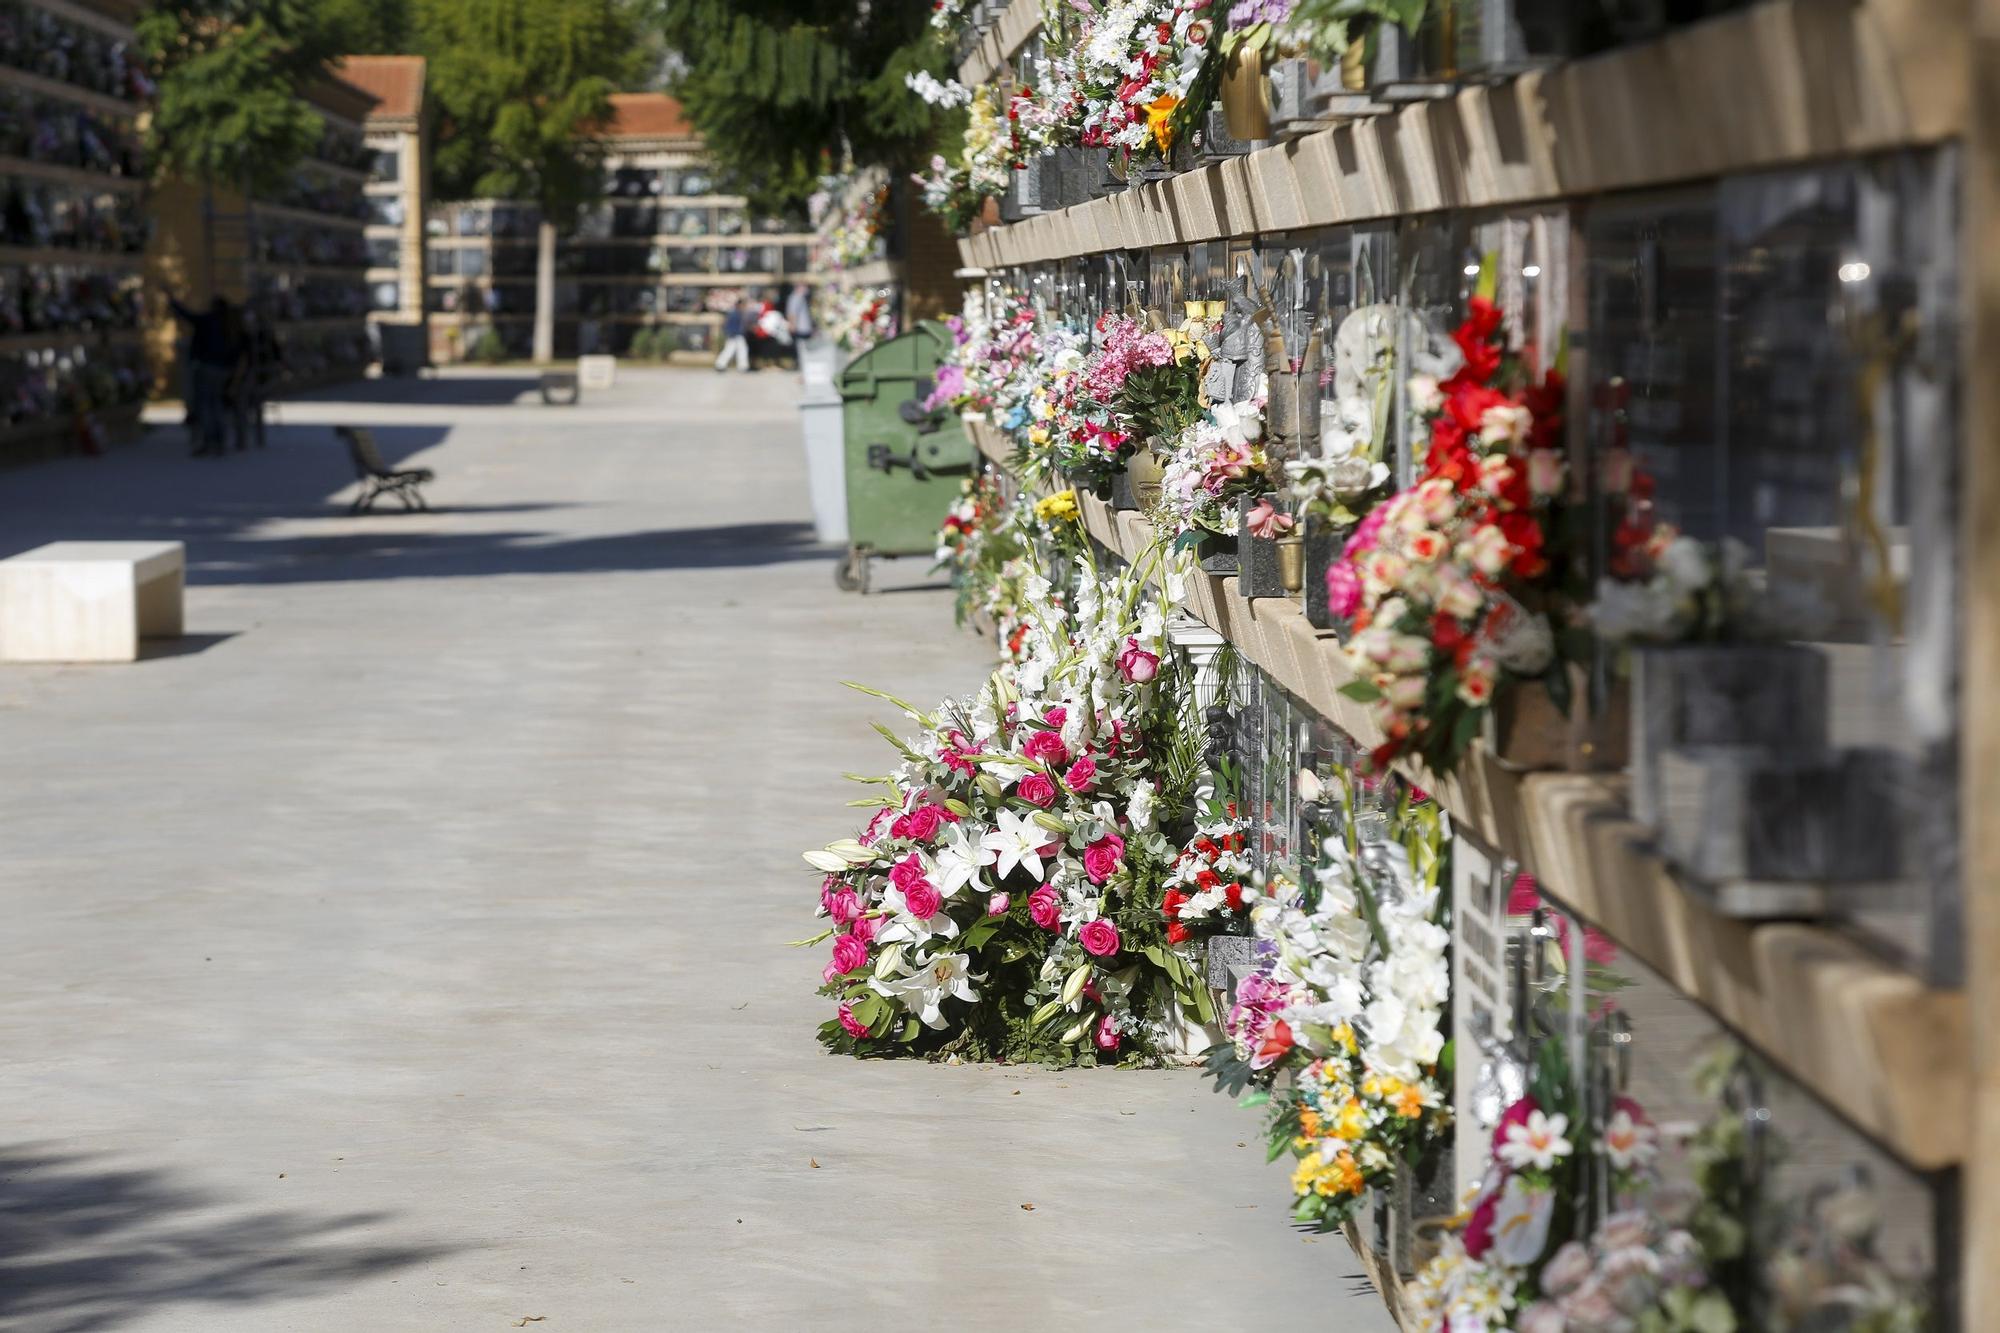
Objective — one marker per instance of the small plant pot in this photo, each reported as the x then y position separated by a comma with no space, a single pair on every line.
1260,573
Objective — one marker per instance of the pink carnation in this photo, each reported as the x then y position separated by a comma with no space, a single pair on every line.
1343,589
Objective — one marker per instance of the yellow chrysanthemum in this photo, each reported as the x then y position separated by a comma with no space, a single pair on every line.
1061,505
1352,1122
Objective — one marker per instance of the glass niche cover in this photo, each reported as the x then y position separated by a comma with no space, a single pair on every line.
1773,424
1630,1164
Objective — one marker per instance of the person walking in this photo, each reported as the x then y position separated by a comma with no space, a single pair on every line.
735,337
212,347
799,313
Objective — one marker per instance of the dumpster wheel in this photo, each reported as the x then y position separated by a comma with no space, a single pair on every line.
851,574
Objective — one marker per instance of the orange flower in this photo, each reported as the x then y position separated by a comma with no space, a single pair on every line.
1410,1103
1159,121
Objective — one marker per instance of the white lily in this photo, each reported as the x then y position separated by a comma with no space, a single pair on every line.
961,858
925,990
1017,842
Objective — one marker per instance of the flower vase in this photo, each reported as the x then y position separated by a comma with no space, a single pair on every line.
1245,109
1322,546
1257,557
1292,563
1144,471
1770,696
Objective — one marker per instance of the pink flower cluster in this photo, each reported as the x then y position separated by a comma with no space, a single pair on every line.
1127,346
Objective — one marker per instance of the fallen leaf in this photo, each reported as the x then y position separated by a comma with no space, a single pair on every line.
1017,1092
813,1162
1027,1208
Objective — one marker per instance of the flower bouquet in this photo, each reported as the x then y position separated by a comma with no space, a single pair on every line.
1343,1038
1138,77
1216,461
1211,889
1003,903
1448,583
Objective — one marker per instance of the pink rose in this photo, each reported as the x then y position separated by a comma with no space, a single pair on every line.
1099,938
922,899
864,928
1044,908
1102,858
830,974
1343,589
919,825
998,904
1046,747
875,824
849,953
844,906
1136,664
1056,716
1107,1033
908,871
1081,774
1036,789
848,1022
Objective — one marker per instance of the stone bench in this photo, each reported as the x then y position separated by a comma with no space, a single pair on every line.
89,601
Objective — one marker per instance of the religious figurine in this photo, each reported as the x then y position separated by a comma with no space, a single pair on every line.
1236,361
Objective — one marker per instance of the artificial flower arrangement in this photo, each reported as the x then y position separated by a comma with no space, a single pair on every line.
1137,78
849,213
1003,903
859,317
1343,1038
957,187
983,372
1449,584
1135,386
1217,460
1211,888
1350,473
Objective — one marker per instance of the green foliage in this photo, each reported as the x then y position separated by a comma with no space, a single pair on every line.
522,89
783,90
229,76
369,27
487,347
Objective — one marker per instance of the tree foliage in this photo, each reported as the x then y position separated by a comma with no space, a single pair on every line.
782,89
229,77
522,89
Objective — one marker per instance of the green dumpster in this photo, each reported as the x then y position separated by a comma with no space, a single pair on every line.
905,466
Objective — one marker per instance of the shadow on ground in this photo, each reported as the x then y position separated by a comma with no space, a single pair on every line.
384,553
87,1245
439,391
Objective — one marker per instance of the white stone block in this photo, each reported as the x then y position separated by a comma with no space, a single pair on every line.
90,601
597,372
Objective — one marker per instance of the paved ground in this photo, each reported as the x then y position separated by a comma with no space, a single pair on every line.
407,952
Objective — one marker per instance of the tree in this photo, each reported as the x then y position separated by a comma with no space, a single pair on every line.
370,27
230,71
782,90
523,93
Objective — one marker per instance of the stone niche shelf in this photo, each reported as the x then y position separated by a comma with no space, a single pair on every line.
1787,81
1875,1043
999,43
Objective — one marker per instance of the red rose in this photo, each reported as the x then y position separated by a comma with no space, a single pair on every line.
1171,904
1177,933
1099,938
1233,895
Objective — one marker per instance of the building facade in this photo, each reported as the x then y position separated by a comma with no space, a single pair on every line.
650,269
72,227
398,192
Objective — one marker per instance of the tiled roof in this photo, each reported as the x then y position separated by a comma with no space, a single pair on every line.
648,116
397,83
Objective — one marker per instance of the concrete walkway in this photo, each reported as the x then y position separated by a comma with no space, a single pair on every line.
407,952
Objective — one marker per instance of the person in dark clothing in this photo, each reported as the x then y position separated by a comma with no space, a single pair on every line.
214,346
735,339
